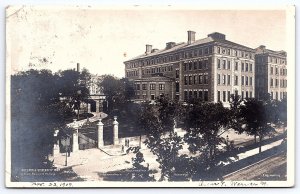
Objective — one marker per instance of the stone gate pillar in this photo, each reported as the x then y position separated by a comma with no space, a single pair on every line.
88,107
116,131
100,134
56,144
75,137
97,105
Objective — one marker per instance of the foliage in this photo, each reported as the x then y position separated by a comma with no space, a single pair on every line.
149,120
235,121
117,91
166,149
281,112
158,122
36,110
204,123
257,117
139,171
73,85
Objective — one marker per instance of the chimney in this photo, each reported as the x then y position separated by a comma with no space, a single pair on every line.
148,48
191,36
170,45
78,67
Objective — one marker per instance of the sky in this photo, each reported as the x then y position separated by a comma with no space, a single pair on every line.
101,39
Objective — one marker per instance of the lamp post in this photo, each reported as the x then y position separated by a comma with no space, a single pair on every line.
66,143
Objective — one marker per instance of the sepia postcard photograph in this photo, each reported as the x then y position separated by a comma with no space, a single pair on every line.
150,96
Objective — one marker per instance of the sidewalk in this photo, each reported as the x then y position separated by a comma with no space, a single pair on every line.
93,164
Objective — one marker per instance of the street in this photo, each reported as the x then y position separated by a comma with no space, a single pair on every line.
269,169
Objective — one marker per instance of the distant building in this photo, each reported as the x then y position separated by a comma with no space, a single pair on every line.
96,97
209,69
94,85
271,73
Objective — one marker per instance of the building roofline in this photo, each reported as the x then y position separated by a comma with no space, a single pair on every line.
183,45
261,50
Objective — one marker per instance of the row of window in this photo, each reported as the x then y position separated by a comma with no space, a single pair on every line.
132,73
167,68
226,95
201,95
145,96
283,71
263,59
226,80
276,60
190,54
194,65
232,52
247,67
274,83
151,86
172,57
195,79
201,52
274,95
198,52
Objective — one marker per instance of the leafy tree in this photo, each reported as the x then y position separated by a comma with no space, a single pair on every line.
36,110
167,112
140,172
73,85
149,120
281,112
167,150
128,89
204,124
236,119
117,91
156,119
282,109
256,118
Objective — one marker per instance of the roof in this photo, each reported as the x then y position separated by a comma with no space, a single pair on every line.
268,51
234,44
183,45
163,51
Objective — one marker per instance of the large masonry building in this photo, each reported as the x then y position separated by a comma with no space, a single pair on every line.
271,73
209,69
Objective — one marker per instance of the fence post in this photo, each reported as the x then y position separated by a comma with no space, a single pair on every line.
100,134
75,137
56,143
116,130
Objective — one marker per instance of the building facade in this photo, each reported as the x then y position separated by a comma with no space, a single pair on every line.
271,73
208,69
93,85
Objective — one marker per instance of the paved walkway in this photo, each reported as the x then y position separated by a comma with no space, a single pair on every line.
93,164
96,116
